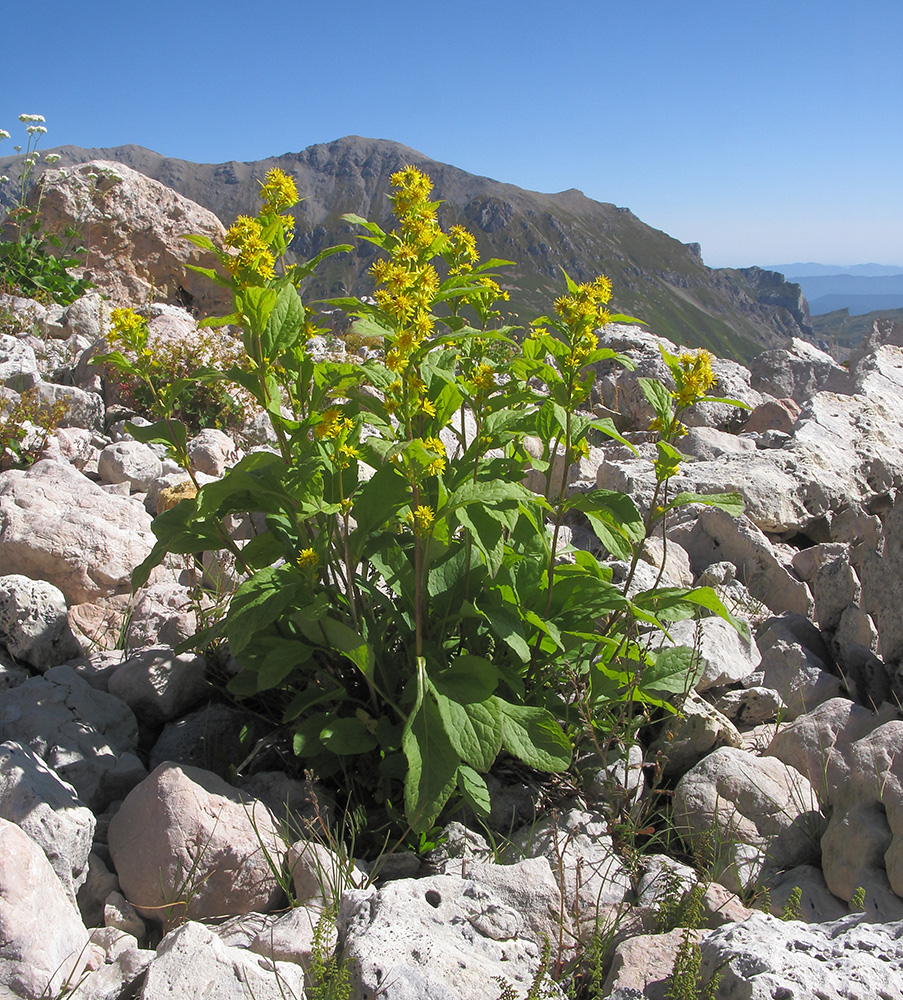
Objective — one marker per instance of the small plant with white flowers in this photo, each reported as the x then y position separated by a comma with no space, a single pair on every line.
37,264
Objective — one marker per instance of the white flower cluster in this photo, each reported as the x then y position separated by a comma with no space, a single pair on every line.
4,134
52,157
26,119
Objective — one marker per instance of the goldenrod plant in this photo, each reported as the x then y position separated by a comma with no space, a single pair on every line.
37,264
407,607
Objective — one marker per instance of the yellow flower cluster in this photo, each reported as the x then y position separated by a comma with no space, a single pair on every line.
307,560
421,519
278,191
584,311
462,248
332,423
694,377
254,260
128,329
435,446
483,377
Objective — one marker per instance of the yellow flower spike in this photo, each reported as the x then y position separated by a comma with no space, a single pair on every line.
483,377
243,229
307,560
694,377
278,191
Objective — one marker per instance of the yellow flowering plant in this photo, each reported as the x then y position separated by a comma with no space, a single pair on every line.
407,607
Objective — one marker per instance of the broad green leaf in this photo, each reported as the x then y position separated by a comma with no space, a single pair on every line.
487,528
432,766
204,242
347,736
469,678
729,402
278,664
258,602
532,735
284,323
256,305
169,432
338,636
474,791
473,728
675,670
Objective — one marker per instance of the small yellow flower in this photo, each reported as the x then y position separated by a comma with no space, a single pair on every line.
483,377
307,560
330,423
421,519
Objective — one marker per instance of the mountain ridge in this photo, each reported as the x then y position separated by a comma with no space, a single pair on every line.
734,312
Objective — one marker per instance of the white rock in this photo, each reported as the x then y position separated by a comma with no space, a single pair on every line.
192,962
158,685
56,525
747,814
34,625
49,811
129,462
43,942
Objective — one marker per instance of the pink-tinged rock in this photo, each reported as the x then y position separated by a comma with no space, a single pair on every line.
774,415
56,525
158,685
212,452
137,248
43,942
187,844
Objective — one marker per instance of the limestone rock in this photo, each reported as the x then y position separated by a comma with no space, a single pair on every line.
56,525
747,814
158,685
34,625
725,655
49,811
18,364
186,844
43,942
137,249
191,961
86,736
212,452
765,957
129,462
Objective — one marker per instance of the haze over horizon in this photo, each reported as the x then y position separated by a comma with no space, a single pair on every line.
764,132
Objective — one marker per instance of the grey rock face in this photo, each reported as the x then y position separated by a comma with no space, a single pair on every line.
49,811
129,462
34,625
158,685
747,815
187,844
87,737
18,364
764,957
192,961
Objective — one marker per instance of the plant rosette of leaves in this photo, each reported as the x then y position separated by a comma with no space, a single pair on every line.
406,607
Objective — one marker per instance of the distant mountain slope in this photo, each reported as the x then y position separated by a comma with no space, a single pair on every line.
859,289
736,313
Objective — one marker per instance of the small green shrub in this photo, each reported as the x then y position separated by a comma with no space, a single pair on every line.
25,427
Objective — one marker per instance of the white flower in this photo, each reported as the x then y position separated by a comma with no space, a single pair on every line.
4,134
3,179
31,118
35,128
52,157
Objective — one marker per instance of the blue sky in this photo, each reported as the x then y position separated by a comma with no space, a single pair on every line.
769,131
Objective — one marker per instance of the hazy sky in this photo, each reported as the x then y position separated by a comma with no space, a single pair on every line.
769,131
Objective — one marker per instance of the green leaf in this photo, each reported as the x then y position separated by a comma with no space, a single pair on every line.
432,766
347,736
169,432
284,322
474,791
473,728
676,670
258,602
204,242
256,305
339,637
279,663
468,679
532,735
659,398
731,503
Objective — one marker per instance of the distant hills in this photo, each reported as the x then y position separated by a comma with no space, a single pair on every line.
858,288
735,313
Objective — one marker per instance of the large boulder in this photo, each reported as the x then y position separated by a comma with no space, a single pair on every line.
138,252
34,625
188,845
56,525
